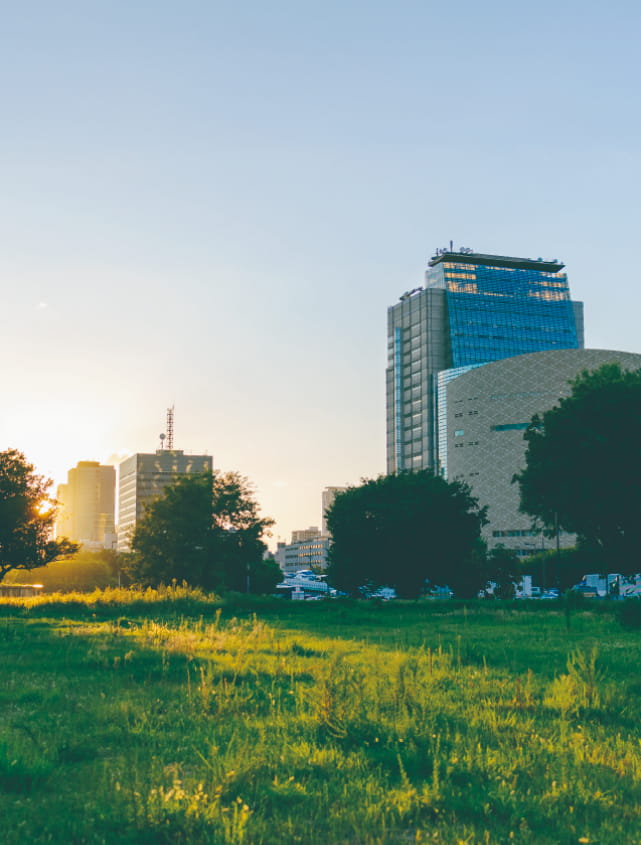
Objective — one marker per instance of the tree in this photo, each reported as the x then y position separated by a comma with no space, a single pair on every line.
172,539
583,465
204,530
399,530
467,580
27,514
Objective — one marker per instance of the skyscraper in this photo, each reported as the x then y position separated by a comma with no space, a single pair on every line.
143,477
87,505
473,309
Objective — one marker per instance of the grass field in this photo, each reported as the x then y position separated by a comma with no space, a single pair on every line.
171,718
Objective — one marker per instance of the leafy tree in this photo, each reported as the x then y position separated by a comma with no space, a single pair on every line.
205,530
172,539
27,514
399,530
583,465
467,580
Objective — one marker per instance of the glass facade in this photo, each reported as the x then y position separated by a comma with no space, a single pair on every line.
497,312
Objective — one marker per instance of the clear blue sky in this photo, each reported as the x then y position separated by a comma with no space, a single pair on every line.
214,203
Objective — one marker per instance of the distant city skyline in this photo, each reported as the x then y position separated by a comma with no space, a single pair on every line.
213,206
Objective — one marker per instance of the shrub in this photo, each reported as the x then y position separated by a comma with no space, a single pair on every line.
629,613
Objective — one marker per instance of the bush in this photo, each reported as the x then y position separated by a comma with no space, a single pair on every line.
629,614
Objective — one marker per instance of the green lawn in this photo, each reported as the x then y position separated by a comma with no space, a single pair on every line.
175,719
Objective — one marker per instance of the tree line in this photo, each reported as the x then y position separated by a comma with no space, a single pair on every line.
410,531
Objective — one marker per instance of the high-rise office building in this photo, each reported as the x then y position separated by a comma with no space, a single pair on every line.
87,505
143,477
473,309
328,496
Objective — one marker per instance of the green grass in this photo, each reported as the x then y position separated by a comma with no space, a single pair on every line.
168,717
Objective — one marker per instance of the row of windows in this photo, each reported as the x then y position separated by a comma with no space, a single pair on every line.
515,532
460,432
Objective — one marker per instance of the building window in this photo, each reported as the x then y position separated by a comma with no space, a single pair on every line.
509,427
459,432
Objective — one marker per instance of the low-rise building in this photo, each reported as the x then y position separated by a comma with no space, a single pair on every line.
312,553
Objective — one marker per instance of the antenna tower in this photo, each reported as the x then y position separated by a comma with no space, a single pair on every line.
170,427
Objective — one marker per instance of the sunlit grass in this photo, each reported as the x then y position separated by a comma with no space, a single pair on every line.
176,718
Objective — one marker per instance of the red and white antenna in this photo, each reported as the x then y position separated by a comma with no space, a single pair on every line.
170,428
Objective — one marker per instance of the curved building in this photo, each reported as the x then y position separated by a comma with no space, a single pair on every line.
483,413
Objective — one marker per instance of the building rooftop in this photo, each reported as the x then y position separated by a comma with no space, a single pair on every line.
469,257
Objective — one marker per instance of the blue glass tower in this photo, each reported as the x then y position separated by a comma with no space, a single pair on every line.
474,309
500,307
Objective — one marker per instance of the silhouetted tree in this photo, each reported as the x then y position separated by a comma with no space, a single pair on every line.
399,530
583,465
467,580
565,568
27,514
205,530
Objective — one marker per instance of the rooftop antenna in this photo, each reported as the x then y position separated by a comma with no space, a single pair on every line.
170,428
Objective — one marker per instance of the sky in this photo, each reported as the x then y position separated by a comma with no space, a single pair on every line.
212,205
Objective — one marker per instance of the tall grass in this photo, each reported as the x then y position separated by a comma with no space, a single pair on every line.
334,724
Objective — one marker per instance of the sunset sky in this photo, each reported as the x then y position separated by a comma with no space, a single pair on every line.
212,204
